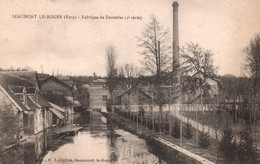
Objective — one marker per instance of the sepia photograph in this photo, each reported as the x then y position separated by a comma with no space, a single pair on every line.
130,82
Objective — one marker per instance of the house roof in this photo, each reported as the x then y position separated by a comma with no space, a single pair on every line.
19,105
56,80
57,113
19,89
68,82
71,101
60,109
31,104
135,88
42,101
98,82
199,72
14,81
206,75
12,85
31,76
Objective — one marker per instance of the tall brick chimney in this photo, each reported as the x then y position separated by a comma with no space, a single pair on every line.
175,47
175,34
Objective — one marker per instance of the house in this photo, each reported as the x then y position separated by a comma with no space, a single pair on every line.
11,117
60,93
51,116
39,114
134,96
198,86
55,91
11,110
83,95
98,94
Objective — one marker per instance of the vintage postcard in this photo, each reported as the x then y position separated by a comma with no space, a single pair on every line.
128,81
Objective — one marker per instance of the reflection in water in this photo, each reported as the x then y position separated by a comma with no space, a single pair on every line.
131,149
100,147
96,143
100,143
33,151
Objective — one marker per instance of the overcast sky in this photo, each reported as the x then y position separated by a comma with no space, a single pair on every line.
77,47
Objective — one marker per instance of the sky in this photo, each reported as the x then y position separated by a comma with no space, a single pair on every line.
78,47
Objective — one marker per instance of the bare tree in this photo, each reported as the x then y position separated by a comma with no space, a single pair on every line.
111,61
252,53
129,70
155,62
156,49
196,59
111,68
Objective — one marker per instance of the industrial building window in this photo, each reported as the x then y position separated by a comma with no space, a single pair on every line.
104,98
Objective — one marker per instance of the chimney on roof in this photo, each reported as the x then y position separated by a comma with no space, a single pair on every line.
24,96
75,86
37,92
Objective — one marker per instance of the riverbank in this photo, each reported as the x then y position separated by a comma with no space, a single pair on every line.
165,144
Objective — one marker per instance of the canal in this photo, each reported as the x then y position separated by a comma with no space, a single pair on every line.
96,142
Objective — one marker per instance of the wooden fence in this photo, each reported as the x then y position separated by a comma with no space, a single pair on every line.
173,110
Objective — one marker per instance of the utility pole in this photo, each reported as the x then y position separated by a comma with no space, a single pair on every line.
197,133
41,69
159,76
181,113
170,98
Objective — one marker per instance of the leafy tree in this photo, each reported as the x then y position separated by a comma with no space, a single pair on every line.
227,146
204,141
187,132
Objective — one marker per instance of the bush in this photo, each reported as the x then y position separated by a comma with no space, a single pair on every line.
187,132
204,141
157,125
227,147
246,151
176,130
149,124
165,127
